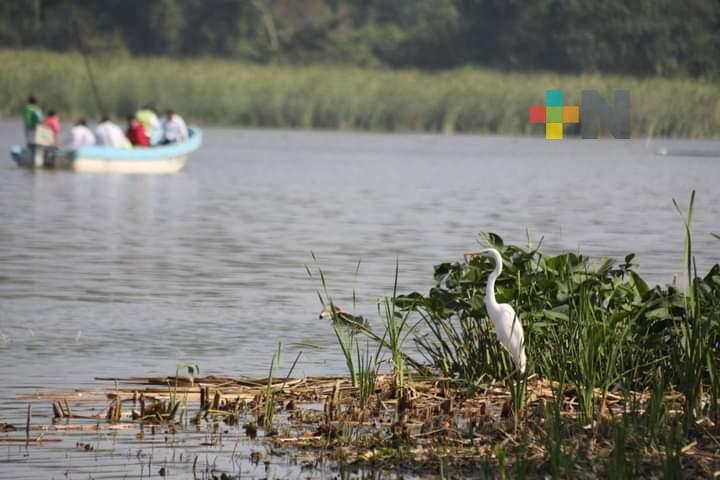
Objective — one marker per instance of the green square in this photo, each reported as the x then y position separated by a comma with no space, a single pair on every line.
554,114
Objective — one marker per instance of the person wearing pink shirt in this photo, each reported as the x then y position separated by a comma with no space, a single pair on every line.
52,121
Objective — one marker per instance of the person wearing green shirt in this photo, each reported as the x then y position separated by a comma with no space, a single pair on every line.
32,116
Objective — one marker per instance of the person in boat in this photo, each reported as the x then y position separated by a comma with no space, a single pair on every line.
80,135
174,128
136,133
109,134
32,116
52,121
146,115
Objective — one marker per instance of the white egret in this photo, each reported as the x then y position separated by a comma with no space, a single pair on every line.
507,324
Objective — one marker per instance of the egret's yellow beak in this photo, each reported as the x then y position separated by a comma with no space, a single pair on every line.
470,255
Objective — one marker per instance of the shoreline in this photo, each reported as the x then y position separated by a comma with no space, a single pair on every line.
67,120
465,100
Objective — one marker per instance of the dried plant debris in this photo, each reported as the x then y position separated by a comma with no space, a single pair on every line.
433,424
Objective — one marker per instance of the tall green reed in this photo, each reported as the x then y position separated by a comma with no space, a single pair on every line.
397,330
618,467
597,343
558,456
655,414
268,400
268,408
368,366
346,326
673,437
693,331
339,97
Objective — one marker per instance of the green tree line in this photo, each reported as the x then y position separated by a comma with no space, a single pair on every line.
642,37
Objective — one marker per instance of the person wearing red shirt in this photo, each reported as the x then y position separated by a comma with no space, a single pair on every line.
136,133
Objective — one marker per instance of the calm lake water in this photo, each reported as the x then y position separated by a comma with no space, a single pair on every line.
116,275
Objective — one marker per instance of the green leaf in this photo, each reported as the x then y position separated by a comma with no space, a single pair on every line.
640,284
493,240
658,314
556,315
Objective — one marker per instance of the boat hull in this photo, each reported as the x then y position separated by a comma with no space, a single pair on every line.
97,159
103,165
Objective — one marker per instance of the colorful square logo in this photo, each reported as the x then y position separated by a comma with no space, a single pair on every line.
554,114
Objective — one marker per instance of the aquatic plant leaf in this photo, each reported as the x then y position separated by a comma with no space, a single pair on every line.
442,270
491,239
657,314
556,315
640,285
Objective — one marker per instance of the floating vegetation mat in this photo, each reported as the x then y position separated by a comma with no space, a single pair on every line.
426,427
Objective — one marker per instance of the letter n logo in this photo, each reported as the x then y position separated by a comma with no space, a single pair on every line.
594,112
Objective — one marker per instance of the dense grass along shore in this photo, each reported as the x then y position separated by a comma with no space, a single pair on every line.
334,97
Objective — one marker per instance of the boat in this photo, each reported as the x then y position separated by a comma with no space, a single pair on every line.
157,159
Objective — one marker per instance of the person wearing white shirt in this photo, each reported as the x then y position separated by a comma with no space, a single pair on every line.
80,136
174,128
110,135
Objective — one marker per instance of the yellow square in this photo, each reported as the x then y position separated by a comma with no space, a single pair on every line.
554,131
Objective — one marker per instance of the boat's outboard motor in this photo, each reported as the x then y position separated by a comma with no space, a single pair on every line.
43,148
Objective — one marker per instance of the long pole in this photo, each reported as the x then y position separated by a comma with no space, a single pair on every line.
93,85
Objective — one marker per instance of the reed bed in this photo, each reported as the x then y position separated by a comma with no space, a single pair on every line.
338,97
622,378
437,424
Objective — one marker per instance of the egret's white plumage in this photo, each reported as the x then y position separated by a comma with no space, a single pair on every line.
507,324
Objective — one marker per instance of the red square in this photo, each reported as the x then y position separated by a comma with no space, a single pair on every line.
537,114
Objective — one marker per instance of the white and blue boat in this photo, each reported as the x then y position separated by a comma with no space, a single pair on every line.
157,159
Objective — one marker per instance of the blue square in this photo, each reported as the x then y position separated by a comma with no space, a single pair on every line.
553,98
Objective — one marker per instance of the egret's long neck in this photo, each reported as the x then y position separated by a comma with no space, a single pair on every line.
490,288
